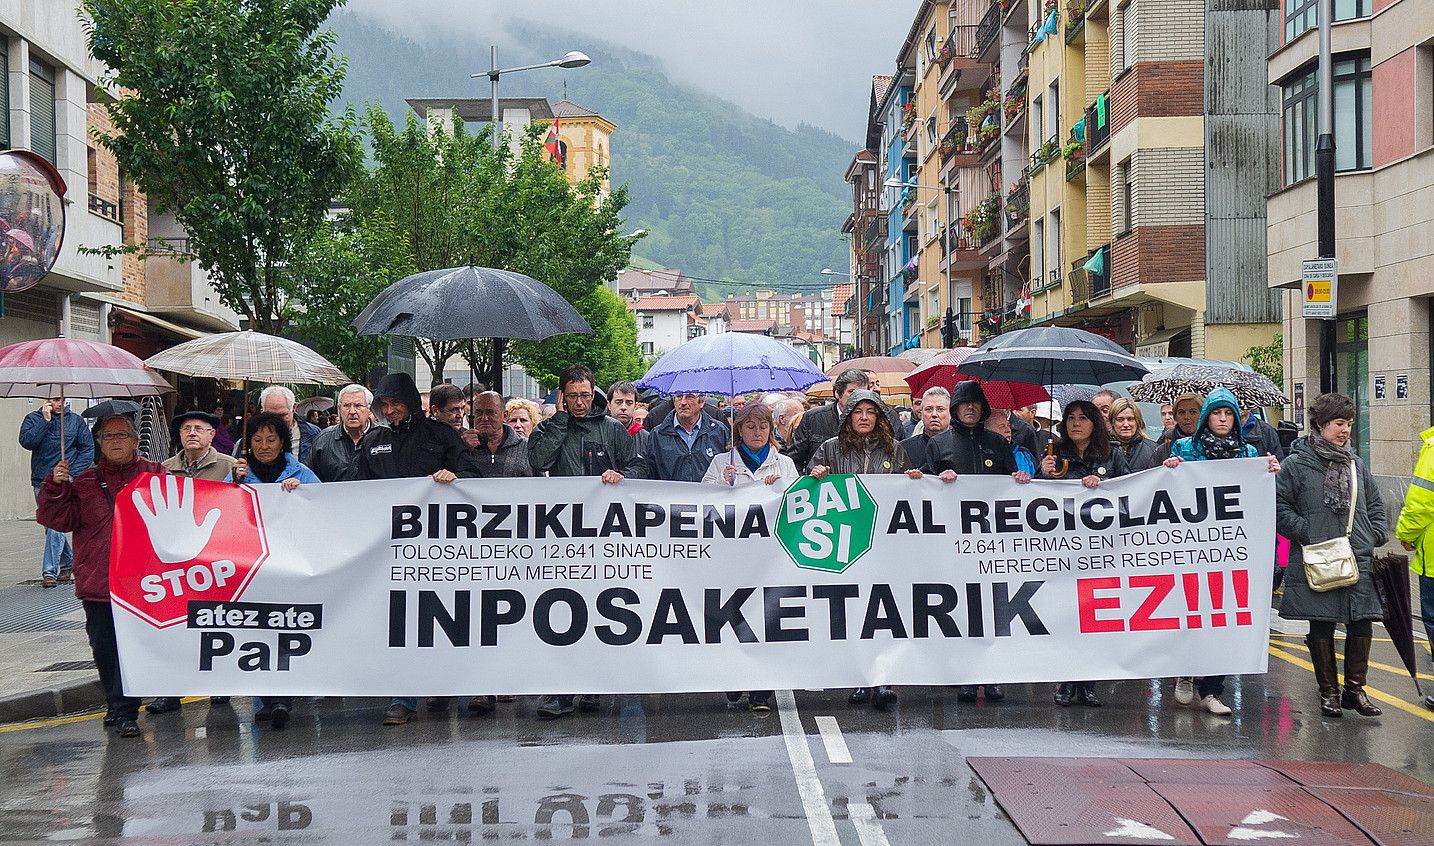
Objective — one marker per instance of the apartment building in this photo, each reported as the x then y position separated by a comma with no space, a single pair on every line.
50,104
1384,213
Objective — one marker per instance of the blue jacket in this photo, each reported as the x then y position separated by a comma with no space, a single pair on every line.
42,439
669,458
1189,449
293,469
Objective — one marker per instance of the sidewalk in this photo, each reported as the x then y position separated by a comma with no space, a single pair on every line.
45,664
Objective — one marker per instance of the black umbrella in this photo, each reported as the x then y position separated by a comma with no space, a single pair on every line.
111,407
1391,579
1052,355
470,302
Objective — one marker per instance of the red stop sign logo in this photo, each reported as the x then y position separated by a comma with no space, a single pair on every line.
178,540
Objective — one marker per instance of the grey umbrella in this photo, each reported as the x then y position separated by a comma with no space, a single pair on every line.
470,302
110,408
1052,355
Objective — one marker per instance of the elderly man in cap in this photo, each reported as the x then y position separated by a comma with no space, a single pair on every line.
85,505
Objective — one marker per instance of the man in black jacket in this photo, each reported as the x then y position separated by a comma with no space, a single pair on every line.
969,447
820,424
335,455
411,446
935,419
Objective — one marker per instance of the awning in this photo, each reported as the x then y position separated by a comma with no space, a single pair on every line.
1158,344
159,322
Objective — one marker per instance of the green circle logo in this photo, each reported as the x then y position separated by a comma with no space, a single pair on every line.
827,524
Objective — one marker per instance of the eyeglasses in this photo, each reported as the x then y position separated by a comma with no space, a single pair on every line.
197,429
572,397
116,436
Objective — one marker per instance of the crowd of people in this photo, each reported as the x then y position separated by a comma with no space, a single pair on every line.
449,433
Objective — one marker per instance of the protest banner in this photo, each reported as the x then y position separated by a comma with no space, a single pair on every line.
526,586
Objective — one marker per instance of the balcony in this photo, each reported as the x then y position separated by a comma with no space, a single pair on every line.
1097,125
988,33
1075,21
104,208
1018,203
1048,152
957,144
1079,282
961,69
176,285
1074,154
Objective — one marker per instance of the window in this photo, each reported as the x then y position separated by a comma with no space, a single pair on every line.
4,91
1125,22
1055,249
1038,251
647,348
1303,15
42,110
931,130
1125,179
1038,120
930,52
647,321
1352,119
1053,110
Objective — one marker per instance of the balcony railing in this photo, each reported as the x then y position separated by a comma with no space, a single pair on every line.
988,29
955,240
960,44
104,208
1079,282
957,140
1018,203
1097,125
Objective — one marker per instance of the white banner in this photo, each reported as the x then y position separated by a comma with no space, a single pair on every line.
531,586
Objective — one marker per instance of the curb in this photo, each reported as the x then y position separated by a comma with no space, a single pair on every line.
79,695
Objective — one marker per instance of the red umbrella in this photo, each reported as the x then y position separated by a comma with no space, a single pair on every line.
60,366
941,372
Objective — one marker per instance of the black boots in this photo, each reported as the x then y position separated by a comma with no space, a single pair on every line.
1356,668
1326,675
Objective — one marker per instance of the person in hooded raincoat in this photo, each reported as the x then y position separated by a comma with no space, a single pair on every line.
1217,437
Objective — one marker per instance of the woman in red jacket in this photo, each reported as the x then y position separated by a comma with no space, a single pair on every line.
85,506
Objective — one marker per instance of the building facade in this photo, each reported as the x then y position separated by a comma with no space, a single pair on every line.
665,323
1384,213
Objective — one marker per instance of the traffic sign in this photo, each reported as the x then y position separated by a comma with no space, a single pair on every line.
1319,279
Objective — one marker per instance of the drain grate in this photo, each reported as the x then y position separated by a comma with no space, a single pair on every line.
27,609
67,667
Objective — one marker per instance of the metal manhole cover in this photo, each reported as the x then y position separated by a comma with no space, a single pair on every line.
67,666
27,609
1197,771
1233,815
1390,819
1021,772
1360,776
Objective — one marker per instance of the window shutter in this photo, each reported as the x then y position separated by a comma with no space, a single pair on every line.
42,111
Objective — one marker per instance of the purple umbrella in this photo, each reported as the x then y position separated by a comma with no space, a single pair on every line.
729,364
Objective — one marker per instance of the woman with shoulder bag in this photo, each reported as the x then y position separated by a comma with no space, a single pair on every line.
1327,504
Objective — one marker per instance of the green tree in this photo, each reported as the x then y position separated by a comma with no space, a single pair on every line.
454,201
222,120
1269,359
337,274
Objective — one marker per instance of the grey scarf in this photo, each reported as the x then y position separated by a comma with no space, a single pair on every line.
1336,475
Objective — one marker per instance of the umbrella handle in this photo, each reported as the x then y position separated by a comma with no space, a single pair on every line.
1063,465
62,422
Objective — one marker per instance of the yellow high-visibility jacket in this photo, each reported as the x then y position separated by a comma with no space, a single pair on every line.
1417,518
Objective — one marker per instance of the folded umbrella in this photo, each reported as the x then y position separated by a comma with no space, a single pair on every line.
1391,579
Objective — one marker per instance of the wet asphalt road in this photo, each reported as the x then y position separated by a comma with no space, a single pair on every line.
676,769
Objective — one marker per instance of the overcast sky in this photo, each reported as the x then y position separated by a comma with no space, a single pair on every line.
792,61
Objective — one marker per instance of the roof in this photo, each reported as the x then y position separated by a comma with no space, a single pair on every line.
568,109
862,159
713,310
759,326
665,279
880,84
481,108
665,303
840,294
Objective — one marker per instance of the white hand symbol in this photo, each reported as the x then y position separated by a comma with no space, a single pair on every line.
173,532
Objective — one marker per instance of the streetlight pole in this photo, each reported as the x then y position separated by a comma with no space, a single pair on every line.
1324,188
572,59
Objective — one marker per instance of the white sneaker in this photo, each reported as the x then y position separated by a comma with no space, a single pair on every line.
1185,691
1213,704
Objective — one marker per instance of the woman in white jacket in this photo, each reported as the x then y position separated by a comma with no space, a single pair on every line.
754,460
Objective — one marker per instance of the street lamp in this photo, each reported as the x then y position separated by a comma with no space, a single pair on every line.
827,271
571,59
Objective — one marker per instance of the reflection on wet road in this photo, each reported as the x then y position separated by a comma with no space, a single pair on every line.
681,769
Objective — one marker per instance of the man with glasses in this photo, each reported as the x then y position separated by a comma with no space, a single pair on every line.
447,404
85,505
581,440
336,449
194,431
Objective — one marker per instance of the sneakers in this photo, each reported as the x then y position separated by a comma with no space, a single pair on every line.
1213,704
1185,691
553,707
397,714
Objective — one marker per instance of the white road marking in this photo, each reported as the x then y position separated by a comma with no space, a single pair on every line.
1261,817
868,827
832,739
814,798
200,733
1135,828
